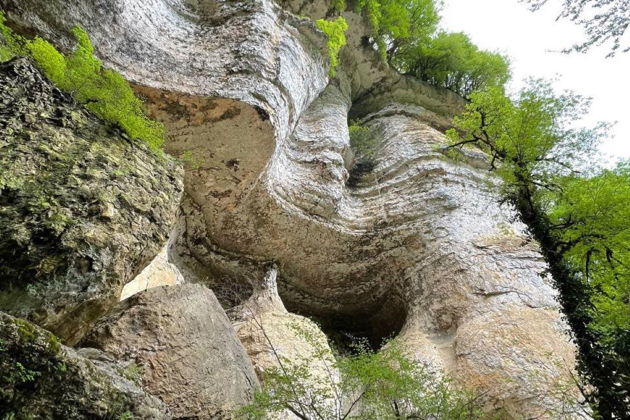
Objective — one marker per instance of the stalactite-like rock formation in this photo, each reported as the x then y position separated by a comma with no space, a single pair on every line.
417,247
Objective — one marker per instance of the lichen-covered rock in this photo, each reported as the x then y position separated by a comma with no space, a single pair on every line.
186,347
41,378
417,245
83,208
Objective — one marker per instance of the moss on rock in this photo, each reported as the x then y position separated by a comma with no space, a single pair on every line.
45,380
82,207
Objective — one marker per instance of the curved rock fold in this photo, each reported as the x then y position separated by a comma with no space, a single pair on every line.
417,247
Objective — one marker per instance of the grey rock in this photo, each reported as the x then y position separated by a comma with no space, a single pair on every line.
44,379
417,246
82,208
186,347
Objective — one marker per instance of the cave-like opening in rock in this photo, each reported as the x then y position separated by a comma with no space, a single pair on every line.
372,326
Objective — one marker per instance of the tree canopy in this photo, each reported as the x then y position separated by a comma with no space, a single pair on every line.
452,61
578,214
395,22
405,33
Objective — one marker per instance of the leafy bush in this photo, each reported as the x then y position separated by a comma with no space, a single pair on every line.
336,33
104,91
452,61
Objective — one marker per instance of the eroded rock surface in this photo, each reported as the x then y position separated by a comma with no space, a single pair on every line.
185,347
44,379
417,246
83,209
160,272
277,339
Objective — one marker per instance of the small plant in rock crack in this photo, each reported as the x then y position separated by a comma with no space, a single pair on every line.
134,372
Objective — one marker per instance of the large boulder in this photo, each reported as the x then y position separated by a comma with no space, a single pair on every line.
44,379
83,209
186,347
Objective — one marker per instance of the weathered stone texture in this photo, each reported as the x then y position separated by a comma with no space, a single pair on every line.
417,246
186,347
277,339
43,379
83,209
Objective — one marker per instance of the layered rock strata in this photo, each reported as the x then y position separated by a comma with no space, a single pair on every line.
417,247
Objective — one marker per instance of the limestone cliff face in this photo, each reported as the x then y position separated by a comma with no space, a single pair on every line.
417,247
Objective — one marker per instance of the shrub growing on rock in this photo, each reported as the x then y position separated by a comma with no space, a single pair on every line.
335,31
104,91
363,385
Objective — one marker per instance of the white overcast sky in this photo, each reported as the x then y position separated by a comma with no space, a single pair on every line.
532,41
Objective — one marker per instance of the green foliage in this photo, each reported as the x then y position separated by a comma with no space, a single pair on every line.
404,32
396,22
191,160
5,54
104,91
335,31
339,5
10,45
452,61
370,385
578,214
127,415
363,142
134,372
531,135
594,233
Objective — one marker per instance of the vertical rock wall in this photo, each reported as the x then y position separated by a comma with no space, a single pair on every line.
418,246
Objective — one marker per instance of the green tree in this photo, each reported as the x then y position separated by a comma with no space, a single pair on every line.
396,22
604,21
452,61
579,218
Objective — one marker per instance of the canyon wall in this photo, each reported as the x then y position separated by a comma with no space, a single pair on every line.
278,218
